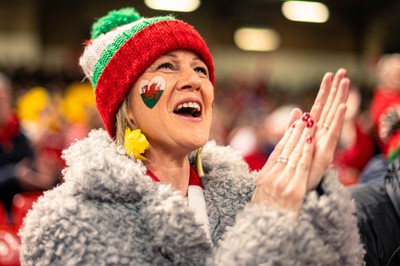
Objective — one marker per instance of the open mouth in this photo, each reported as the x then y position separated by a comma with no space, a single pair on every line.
192,109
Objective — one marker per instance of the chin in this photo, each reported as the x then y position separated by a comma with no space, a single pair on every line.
199,141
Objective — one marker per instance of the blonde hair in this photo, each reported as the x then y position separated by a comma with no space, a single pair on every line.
122,120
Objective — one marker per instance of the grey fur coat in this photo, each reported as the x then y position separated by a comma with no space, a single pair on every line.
109,212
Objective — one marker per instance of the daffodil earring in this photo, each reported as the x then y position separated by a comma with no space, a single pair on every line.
199,165
135,143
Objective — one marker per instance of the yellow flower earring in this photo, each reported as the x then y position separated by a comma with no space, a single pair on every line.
135,143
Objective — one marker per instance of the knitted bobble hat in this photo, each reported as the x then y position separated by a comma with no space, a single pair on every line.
123,45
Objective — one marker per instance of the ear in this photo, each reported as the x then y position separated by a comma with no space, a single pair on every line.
131,120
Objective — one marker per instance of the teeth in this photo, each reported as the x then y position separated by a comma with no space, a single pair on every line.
188,105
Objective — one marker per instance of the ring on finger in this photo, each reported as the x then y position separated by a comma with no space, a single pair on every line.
325,125
282,159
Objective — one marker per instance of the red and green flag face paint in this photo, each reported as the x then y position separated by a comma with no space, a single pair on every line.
151,91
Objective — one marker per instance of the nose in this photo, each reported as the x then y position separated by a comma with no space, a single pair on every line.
189,80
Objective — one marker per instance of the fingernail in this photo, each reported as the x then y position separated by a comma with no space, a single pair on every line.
306,117
310,123
309,139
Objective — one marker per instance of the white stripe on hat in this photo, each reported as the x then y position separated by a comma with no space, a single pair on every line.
95,50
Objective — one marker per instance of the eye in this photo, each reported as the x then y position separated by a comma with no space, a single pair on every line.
165,66
202,70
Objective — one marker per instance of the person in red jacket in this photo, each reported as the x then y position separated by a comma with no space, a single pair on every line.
385,118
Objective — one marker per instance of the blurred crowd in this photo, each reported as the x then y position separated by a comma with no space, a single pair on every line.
42,113
40,116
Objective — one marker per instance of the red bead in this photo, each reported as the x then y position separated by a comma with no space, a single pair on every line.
310,122
309,139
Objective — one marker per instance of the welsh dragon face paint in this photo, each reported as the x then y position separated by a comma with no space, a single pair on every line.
151,91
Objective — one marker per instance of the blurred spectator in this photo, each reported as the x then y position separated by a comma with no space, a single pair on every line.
275,125
44,124
385,117
79,108
19,171
219,131
246,139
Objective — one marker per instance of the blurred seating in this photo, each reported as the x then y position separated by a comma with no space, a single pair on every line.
22,203
9,240
9,246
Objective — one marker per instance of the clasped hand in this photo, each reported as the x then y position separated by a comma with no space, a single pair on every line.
301,157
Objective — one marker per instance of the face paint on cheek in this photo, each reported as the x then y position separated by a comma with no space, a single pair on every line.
151,91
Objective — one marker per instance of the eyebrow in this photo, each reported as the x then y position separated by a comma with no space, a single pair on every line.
172,54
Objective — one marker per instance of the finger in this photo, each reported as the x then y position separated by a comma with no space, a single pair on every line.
303,167
307,136
336,127
273,158
322,95
298,170
305,121
325,154
282,170
340,74
341,97
275,153
295,114
332,93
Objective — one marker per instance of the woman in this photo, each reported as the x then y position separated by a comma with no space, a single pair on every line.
126,201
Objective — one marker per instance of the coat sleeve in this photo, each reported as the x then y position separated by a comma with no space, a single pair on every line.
325,233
